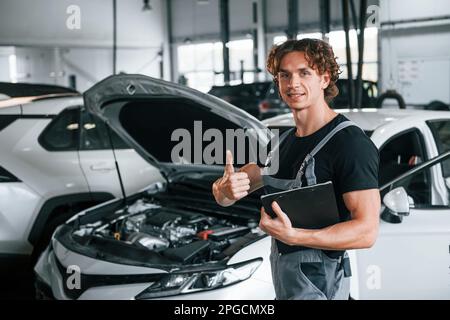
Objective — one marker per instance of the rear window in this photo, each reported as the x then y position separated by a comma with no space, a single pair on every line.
63,132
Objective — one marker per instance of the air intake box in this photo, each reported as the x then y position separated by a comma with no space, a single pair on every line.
187,253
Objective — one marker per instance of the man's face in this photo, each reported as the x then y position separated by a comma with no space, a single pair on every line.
300,86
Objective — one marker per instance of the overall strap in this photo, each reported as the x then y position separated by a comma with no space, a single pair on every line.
309,162
330,135
283,137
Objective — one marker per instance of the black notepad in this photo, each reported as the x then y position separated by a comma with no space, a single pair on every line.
310,207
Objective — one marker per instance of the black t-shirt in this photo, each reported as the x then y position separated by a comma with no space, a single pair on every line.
349,159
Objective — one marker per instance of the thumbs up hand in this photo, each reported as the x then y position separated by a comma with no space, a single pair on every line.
232,186
229,169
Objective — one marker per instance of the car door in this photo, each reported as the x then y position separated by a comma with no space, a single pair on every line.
98,162
410,259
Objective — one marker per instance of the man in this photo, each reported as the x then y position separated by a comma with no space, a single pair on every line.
323,146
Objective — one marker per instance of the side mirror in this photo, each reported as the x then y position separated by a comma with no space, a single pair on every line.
397,204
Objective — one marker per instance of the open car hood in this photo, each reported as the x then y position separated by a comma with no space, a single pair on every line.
145,112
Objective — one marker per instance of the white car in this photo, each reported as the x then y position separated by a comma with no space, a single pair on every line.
173,241
55,160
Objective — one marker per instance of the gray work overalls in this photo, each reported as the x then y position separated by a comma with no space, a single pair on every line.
289,271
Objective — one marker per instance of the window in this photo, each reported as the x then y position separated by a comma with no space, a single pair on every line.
201,64
370,67
62,133
417,193
94,134
337,41
441,134
241,51
401,154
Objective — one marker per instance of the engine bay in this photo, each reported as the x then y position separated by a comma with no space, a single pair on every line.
178,235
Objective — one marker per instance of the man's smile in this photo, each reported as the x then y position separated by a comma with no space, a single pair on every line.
296,95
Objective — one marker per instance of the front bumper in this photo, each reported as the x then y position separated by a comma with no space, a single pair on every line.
53,280
52,284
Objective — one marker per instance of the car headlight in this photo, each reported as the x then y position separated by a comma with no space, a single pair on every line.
189,282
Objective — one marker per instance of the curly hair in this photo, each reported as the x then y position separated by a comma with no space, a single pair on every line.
318,53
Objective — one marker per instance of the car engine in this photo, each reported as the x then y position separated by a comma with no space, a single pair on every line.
182,236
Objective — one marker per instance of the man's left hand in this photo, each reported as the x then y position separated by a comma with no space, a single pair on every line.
279,227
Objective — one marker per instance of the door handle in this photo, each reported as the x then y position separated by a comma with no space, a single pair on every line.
101,167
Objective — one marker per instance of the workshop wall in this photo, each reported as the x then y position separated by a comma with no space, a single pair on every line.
51,45
415,55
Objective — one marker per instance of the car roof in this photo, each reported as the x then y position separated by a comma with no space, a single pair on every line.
45,104
367,118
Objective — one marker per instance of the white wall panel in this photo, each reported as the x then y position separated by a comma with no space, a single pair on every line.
400,10
43,23
47,51
415,58
416,61
190,19
241,15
